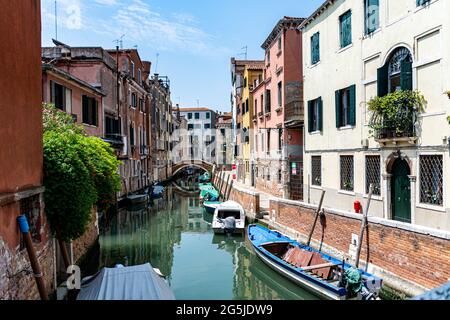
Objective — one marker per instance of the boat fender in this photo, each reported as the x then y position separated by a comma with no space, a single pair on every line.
23,224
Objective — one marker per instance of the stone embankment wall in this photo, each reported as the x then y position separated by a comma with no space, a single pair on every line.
409,258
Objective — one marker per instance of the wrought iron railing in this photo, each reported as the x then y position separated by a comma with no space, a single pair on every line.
400,125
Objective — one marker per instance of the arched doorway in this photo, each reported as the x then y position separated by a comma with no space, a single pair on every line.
401,191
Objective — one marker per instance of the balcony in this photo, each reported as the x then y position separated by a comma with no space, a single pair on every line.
395,117
260,114
294,115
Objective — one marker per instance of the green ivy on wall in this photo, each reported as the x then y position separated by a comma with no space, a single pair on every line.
80,171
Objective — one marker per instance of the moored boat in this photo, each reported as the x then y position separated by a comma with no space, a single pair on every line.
229,217
137,199
320,273
210,206
204,178
126,283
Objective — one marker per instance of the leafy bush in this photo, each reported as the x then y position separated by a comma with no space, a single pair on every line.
396,111
79,171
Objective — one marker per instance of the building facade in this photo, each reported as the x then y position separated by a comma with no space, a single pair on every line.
224,141
201,124
21,155
278,127
368,49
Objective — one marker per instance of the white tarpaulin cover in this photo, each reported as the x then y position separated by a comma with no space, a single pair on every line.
126,283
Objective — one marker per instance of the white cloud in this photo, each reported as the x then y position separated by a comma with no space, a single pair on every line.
106,2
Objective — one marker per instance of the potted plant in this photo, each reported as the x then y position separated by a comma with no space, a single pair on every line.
348,185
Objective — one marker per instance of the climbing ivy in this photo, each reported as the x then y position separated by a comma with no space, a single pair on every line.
79,171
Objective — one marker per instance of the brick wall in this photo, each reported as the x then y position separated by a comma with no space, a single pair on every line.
411,253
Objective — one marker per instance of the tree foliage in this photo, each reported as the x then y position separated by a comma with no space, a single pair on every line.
79,171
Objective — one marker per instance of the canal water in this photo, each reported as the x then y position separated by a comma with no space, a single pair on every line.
175,235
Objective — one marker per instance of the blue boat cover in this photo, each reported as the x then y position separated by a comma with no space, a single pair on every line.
261,236
441,293
126,283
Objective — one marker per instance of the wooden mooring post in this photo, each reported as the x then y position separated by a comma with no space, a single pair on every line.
229,191
315,218
222,178
363,226
226,188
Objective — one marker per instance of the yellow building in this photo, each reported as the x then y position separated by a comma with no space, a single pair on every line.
253,75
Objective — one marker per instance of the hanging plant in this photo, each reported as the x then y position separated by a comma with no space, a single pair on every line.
395,114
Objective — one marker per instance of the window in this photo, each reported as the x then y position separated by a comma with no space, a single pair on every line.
243,108
315,115
280,140
133,100
279,176
268,141
280,94
262,103
246,106
190,127
245,82
132,142
255,108
346,166
208,115
197,115
316,170
207,126
189,115
279,43
345,22
431,180
132,69
222,132
373,174
141,105
315,48
112,126
139,76
422,2
371,15
396,74
268,57
61,97
90,112
346,107
268,101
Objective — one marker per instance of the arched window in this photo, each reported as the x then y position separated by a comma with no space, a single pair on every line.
400,62
396,74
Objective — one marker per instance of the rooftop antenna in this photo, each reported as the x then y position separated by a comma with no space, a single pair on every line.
157,60
56,20
198,103
244,53
121,41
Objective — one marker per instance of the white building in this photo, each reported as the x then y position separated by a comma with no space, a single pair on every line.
353,51
201,131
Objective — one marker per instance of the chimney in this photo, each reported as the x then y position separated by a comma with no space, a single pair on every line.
146,72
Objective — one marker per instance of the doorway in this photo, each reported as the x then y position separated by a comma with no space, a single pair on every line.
401,191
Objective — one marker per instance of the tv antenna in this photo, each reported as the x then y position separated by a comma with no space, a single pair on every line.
56,20
157,60
245,49
119,42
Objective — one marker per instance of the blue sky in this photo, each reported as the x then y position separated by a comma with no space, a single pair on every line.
195,39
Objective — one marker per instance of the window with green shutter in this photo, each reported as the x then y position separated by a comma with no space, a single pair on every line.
422,2
315,115
345,22
315,48
346,107
372,15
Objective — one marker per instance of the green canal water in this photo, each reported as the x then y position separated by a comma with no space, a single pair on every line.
175,235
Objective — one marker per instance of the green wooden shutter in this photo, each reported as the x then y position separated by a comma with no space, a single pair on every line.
352,90
383,86
338,108
320,115
310,116
406,75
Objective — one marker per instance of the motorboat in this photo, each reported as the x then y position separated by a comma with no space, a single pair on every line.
320,273
229,217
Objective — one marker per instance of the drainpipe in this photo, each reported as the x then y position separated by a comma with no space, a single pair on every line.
37,273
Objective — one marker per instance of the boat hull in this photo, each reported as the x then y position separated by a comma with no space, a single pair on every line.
317,290
210,208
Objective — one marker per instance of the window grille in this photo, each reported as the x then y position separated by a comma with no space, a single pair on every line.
373,174
431,179
347,173
316,170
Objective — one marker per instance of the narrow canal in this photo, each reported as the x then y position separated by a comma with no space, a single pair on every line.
175,235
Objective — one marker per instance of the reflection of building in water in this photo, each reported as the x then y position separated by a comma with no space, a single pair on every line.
138,237
195,222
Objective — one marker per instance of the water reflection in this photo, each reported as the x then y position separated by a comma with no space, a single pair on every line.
175,236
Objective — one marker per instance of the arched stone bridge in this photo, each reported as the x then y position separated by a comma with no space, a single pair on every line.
177,167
